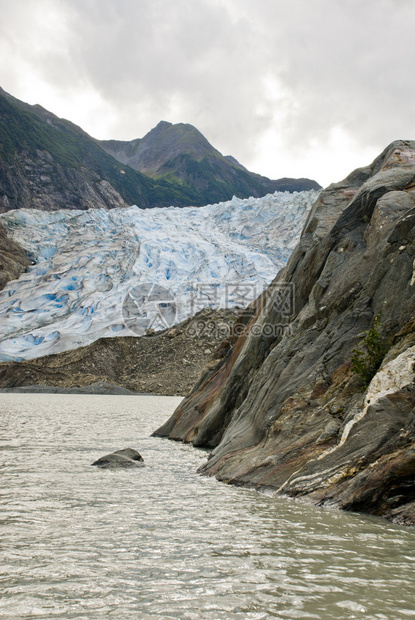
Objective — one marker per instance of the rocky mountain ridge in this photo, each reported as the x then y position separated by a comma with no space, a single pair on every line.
49,163
283,410
180,153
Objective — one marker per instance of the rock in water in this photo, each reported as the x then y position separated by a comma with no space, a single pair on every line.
283,409
121,459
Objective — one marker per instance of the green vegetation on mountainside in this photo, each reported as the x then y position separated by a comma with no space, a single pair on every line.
27,130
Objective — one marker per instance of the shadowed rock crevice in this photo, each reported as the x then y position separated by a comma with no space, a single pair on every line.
283,410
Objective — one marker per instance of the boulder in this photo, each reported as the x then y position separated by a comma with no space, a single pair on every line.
121,459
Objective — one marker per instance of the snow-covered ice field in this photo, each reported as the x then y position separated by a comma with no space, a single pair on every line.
87,262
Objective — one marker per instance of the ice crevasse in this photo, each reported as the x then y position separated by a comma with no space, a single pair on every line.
86,264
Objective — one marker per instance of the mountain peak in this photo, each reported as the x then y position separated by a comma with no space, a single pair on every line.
161,145
60,165
180,152
162,125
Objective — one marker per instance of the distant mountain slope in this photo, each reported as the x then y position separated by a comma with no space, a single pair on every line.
49,163
180,153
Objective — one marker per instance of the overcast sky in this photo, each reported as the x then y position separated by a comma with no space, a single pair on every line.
310,88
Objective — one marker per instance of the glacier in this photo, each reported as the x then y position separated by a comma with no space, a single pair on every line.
98,273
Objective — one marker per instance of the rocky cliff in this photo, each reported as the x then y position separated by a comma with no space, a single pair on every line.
13,260
283,410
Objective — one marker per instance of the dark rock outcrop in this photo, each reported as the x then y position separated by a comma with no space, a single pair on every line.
121,459
13,259
283,410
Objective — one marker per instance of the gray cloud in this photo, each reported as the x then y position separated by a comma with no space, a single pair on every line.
350,64
234,68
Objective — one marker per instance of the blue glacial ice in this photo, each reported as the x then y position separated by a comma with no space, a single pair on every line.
86,263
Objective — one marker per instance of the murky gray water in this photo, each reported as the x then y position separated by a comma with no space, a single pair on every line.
163,542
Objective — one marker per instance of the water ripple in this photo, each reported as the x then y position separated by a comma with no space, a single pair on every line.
162,542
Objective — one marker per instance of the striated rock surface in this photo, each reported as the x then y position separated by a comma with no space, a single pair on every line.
283,410
13,260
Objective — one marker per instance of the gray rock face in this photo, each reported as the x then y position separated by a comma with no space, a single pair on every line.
13,260
121,459
282,409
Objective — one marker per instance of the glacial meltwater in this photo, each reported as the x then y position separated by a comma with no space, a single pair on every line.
162,541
